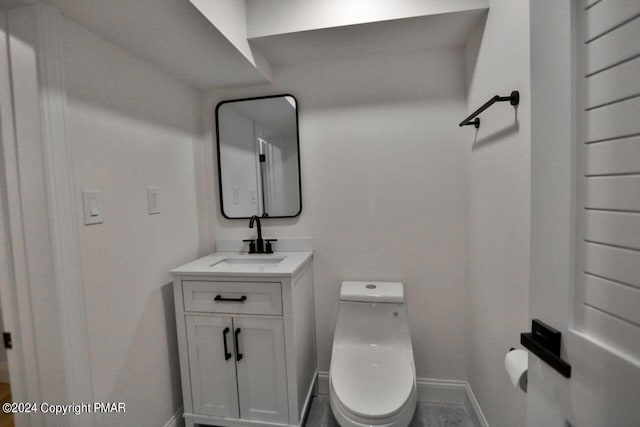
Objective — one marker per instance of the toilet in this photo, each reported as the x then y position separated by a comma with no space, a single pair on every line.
372,377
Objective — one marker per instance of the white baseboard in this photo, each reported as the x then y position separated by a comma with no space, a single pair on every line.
176,420
434,391
4,373
473,408
441,391
323,382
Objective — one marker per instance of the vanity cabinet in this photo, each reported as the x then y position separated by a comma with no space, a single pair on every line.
237,367
246,345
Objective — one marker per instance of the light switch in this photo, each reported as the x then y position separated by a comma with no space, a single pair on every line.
153,199
92,205
236,195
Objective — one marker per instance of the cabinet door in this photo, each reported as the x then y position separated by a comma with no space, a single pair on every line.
262,376
212,370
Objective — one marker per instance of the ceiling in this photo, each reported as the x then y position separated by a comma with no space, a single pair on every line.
396,36
170,34
175,37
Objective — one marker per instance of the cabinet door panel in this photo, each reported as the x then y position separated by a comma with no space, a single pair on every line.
262,377
213,378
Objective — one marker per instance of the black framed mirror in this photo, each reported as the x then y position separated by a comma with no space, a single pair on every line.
259,157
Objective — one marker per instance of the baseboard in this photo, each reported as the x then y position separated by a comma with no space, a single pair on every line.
307,400
473,408
176,420
4,373
434,391
323,382
441,391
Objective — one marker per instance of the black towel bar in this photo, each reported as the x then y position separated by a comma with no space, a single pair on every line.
514,99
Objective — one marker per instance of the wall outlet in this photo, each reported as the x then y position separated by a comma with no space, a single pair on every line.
153,200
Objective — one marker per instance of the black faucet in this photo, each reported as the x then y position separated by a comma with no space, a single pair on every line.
258,246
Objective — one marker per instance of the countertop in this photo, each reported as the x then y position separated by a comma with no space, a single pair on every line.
205,266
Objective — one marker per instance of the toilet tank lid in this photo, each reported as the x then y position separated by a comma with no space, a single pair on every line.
372,291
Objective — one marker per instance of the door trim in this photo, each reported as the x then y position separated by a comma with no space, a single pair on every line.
51,285
61,204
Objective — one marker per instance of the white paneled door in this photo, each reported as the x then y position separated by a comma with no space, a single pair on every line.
585,256
213,367
262,376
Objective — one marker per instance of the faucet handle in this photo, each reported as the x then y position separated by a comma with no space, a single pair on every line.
268,249
252,245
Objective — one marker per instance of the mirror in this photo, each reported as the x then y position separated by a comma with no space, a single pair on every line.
258,157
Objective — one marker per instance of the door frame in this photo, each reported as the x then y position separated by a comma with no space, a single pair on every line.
553,191
47,314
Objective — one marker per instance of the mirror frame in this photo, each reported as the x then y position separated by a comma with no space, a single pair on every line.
220,104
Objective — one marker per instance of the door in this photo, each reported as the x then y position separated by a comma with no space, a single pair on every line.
15,304
585,253
262,377
212,365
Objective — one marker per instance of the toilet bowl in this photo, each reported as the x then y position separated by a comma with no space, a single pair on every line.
372,378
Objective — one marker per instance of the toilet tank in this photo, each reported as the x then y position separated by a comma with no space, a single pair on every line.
372,313
372,292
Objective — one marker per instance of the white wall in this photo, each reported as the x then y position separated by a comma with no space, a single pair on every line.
499,208
131,126
384,189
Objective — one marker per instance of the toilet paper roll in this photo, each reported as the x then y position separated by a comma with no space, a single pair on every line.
516,363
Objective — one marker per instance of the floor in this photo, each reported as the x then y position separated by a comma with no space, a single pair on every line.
427,415
6,420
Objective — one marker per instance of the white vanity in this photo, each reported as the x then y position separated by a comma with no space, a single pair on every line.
246,336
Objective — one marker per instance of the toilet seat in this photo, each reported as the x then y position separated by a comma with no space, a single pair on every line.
372,381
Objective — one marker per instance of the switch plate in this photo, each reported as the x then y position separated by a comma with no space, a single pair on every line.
92,205
236,195
153,200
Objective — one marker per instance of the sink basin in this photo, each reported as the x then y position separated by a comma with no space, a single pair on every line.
247,261
242,264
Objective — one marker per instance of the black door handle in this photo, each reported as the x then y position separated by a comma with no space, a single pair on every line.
238,354
227,355
243,298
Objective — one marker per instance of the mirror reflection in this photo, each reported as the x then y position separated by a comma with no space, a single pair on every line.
258,157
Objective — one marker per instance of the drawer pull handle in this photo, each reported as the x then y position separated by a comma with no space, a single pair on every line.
243,298
238,354
227,355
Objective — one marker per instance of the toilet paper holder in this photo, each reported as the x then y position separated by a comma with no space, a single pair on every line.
544,341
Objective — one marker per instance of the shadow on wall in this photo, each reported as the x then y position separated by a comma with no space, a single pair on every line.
155,343
124,91
472,52
495,136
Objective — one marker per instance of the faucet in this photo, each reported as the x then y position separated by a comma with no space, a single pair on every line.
258,246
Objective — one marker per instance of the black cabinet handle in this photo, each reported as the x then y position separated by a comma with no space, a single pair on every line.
227,355
238,354
243,298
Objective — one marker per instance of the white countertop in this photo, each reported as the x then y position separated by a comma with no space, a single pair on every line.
212,265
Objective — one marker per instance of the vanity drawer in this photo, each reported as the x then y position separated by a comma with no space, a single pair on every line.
233,297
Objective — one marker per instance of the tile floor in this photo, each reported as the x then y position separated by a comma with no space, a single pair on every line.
427,415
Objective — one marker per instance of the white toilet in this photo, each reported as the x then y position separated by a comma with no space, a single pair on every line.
372,379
